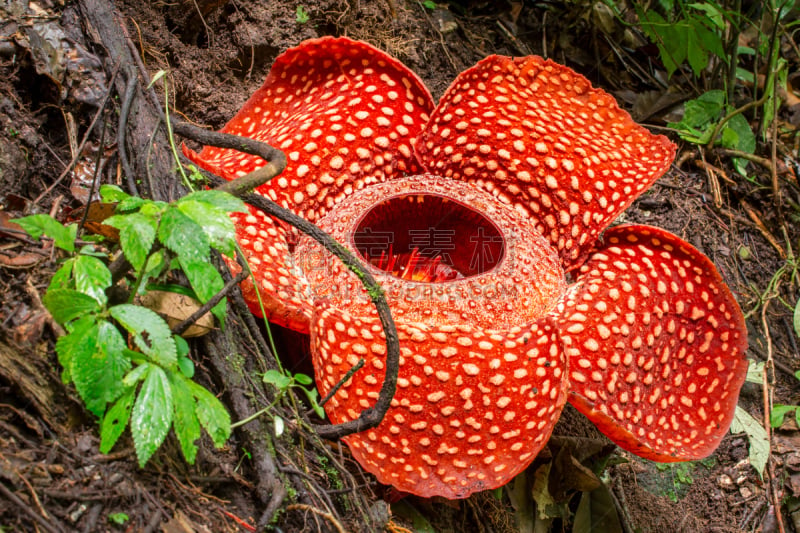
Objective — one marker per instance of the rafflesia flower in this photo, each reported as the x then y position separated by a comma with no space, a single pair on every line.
482,218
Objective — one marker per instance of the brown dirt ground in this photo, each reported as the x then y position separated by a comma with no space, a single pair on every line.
214,63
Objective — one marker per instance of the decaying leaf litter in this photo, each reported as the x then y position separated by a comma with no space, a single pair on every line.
740,234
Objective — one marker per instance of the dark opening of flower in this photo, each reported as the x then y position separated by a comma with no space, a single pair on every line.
470,214
425,237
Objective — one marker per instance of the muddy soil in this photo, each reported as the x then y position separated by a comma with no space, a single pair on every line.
215,54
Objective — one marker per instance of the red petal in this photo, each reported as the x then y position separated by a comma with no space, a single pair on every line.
656,345
345,113
284,290
472,409
537,135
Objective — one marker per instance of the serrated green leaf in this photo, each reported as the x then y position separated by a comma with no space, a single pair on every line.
219,199
77,341
116,420
152,413
137,233
68,304
98,373
112,193
212,415
38,225
158,345
756,435
778,412
278,379
183,236
187,426
215,222
92,277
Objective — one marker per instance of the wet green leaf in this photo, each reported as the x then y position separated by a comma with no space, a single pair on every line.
116,420
212,415
183,236
137,233
38,225
98,373
113,193
187,426
91,277
221,200
80,340
150,332
206,282
67,304
215,222
152,413
62,279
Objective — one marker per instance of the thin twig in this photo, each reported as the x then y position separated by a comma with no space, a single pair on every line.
97,166
85,139
327,516
51,527
206,307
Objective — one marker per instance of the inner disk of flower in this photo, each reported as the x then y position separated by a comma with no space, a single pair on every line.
428,238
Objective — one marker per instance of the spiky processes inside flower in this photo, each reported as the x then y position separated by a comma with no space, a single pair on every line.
428,238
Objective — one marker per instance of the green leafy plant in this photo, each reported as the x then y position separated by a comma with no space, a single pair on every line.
301,15
285,381
429,4
118,518
688,32
707,119
779,412
125,363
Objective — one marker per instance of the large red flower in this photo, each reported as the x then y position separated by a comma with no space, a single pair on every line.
473,216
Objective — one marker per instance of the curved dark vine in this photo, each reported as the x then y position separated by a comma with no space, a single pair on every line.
276,162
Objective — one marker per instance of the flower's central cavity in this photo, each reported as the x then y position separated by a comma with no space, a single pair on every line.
428,238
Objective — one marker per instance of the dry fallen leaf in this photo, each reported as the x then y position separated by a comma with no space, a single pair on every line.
176,308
